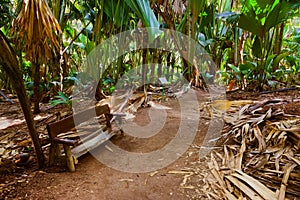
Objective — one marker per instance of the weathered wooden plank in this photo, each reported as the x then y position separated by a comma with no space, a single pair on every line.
67,127
69,157
65,141
92,142
54,152
68,123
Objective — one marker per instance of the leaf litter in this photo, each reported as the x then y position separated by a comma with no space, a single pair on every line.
257,155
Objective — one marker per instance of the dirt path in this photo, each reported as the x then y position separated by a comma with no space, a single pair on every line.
94,180
182,179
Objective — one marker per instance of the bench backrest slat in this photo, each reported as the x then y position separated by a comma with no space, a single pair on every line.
68,123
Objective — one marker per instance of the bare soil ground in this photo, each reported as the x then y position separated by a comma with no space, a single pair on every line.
94,180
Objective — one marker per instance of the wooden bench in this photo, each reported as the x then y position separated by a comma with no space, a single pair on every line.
81,145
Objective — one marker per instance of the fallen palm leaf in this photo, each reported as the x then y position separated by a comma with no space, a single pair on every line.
287,171
265,192
249,192
258,140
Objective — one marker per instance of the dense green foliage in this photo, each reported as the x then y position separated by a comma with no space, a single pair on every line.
256,43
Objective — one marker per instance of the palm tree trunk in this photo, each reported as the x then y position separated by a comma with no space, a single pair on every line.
9,63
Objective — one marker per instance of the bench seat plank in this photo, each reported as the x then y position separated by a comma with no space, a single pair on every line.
92,143
65,141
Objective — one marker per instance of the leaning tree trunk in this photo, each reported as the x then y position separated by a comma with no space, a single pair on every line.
9,63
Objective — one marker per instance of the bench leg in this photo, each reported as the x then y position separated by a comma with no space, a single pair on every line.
54,153
69,158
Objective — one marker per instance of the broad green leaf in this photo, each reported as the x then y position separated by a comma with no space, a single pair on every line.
259,16
280,13
117,10
270,60
256,48
143,10
249,22
245,68
279,57
263,4
230,17
62,96
234,68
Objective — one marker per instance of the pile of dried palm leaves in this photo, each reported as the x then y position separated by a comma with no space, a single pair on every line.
259,156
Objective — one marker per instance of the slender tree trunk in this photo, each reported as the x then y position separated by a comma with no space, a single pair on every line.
36,87
172,69
144,67
241,47
153,65
9,63
236,45
279,29
159,60
278,38
168,62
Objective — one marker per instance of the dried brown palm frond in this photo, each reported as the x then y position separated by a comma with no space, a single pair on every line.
259,154
35,30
